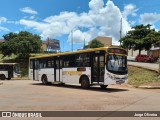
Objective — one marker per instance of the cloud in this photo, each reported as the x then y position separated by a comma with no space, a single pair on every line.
149,18
129,9
101,20
3,19
28,10
4,29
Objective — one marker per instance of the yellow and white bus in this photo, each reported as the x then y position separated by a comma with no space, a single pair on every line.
97,66
9,70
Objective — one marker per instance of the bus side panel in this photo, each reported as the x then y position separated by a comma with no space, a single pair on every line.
68,75
49,72
72,75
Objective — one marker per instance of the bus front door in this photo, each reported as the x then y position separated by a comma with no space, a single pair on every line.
58,74
98,67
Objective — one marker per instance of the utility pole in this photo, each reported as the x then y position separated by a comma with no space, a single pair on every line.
48,44
84,44
72,39
120,29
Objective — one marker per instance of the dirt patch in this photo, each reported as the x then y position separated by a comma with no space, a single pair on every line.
152,84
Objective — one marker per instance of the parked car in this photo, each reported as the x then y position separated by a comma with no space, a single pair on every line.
144,58
131,58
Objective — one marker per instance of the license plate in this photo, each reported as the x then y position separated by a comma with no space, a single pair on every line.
120,82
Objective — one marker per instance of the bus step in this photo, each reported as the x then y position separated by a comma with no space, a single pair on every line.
58,83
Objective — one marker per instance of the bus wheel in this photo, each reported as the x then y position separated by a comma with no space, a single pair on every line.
2,77
44,80
8,78
85,82
103,86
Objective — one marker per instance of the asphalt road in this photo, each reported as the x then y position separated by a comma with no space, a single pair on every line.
28,95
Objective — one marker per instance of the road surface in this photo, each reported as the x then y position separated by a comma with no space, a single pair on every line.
27,95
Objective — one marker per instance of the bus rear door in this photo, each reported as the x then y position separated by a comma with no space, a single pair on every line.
58,70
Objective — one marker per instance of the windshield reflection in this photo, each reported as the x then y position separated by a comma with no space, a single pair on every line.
117,63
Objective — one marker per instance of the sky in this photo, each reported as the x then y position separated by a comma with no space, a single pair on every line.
80,20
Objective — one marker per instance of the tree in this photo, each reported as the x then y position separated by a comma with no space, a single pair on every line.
95,44
21,44
141,37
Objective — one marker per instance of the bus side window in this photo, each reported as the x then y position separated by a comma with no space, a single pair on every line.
82,60
69,61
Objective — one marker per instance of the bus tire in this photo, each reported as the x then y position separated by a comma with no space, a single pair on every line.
44,80
8,78
103,86
2,77
85,82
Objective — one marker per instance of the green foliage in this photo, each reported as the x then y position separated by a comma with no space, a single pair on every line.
21,44
95,44
141,37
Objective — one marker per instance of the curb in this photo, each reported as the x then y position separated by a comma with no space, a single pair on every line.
149,87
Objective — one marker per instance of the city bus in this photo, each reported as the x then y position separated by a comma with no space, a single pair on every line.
98,66
9,70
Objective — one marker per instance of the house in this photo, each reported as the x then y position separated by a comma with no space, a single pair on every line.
134,53
155,52
2,40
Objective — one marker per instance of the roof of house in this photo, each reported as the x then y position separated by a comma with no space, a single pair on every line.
1,40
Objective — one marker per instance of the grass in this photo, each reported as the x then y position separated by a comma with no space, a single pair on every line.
139,76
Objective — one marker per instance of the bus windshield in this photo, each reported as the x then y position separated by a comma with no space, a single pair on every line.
116,64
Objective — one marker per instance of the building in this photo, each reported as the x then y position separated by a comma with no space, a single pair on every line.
2,40
134,53
155,52
107,41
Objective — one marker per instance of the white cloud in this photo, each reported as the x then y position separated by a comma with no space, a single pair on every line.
149,18
96,5
28,10
3,19
129,9
101,19
4,29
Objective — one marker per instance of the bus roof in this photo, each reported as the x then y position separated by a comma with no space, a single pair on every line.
75,52
8,63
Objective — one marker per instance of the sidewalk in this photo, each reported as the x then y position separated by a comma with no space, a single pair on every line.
150,66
